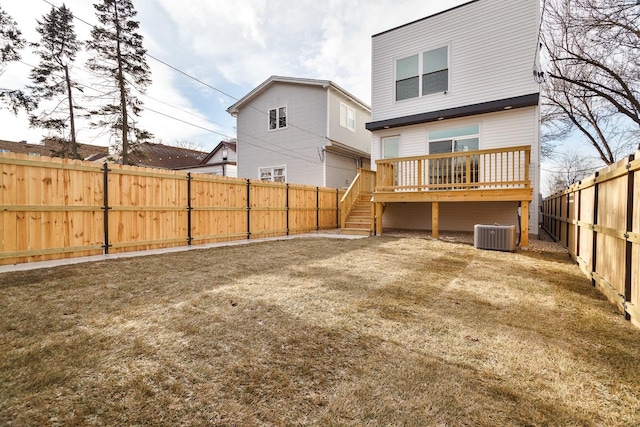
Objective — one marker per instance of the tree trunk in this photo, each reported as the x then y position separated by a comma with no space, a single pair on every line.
123,95
72,122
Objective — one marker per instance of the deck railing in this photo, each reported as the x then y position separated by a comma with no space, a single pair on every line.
467,170
362,184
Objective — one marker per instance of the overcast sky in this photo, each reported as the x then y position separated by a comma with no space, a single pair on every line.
231,45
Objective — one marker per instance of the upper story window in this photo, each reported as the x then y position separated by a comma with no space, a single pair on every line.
435,71
432,65
347,117
278,118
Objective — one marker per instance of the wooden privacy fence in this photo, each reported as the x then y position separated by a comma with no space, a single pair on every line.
598,220
53,208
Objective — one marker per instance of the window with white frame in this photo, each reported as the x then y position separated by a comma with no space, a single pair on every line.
453,170
273,174
465,138
347,117
432,65
278,118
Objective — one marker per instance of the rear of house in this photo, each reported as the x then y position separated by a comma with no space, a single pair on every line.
446,86
301,131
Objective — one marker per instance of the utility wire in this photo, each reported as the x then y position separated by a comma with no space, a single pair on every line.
293,125
223,93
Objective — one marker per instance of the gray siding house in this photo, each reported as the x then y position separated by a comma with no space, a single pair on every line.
301,131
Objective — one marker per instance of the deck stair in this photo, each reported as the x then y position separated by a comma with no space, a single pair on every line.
359,221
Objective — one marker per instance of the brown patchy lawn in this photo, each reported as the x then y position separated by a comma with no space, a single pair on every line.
380,331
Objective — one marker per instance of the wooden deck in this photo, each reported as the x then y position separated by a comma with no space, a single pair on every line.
494,175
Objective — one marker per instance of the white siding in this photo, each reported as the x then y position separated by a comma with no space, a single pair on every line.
503,129
492,48
295,146
220,170
217,156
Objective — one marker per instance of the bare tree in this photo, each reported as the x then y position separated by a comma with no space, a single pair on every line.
594,74
187,143
570,167
11,42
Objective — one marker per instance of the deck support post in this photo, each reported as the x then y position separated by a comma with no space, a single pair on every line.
378,208
524,225
435,220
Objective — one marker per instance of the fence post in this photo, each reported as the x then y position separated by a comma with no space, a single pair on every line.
317,208
594,252
287,206
337,208
578,229
629,244
106,207
189,209
569,194
248,208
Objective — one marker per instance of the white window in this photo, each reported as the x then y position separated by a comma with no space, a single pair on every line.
452,140
273,174
391,147
435,71
432,65
449,170
278,118
407,78
347,117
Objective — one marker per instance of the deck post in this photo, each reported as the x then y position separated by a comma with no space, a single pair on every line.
435,220
378,207
524,225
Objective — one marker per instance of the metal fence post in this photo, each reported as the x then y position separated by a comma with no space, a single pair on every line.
248,209
106,207
628,266
189,210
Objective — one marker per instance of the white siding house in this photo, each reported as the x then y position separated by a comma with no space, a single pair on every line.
302,131
220,161
459,81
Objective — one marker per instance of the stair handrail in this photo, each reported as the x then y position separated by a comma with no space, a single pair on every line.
363,182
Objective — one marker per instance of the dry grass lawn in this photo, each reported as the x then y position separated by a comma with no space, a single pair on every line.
380,331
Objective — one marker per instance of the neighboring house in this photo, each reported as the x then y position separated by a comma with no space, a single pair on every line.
220,161
165,156
456,105
302,131
49,147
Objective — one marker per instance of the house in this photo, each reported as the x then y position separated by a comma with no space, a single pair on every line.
165,156
302,131
220,161
50,147
456,120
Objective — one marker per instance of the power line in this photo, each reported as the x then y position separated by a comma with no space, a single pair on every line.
221,92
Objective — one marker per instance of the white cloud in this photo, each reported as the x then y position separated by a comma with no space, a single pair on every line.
232,46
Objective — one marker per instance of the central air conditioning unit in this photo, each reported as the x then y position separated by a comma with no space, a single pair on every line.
495,237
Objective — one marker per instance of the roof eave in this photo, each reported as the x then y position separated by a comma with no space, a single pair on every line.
452,113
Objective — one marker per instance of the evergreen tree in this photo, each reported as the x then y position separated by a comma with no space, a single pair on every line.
51,78
11,42
120,60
